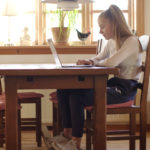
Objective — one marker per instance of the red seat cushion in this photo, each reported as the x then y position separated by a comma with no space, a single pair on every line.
126,104
25,95
2,102
54,99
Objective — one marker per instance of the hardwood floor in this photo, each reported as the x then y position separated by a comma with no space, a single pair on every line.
28,143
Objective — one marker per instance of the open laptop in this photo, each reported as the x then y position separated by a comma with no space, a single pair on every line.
57,60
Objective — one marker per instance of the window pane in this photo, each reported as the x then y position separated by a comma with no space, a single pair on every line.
104,4
101,5
20,26
25,21
73,34
51,21
96,29
26,5
13,27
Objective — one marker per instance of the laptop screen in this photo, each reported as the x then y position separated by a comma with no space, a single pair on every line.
57,60
54,53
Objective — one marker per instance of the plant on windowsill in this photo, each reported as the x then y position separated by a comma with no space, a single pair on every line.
65,21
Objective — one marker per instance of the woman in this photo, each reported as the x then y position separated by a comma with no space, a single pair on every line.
122,51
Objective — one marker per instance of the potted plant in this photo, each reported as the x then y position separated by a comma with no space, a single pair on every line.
65,21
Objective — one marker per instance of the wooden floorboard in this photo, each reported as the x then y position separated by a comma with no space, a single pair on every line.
29,143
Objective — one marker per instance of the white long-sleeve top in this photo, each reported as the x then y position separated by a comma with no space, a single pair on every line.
128,58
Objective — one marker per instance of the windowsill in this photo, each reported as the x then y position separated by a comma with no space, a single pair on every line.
44,49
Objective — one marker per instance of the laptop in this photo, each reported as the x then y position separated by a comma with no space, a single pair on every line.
57,60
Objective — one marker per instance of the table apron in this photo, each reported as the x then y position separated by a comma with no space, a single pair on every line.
52,82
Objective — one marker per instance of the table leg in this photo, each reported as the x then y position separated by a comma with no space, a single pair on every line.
11,113
99,141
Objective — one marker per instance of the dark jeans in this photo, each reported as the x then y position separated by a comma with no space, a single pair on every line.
72,102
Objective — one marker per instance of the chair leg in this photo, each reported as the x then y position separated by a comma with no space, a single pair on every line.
143,131
132,133
57,128
1,128
38,123
19,129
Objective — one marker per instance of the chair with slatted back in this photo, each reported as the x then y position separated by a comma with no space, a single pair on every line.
31,123
131,108
2,116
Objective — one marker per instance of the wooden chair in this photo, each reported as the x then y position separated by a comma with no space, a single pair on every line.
131,109
2,128
30,123
2,123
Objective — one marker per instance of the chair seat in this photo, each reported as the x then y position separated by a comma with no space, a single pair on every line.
53,97
125,104
3,102
25,95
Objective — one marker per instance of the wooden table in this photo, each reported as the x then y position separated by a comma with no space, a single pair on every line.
47,76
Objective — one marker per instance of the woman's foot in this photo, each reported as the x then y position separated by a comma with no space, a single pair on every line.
61,139
70,145
77,140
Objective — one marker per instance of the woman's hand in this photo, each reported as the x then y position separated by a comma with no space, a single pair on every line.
84,62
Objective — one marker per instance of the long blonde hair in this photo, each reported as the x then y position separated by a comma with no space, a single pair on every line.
118,22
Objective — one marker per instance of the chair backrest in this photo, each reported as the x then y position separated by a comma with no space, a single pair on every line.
145,45
1,90
99,46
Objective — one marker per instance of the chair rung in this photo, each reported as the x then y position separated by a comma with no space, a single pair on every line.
135,109
110,138
28,119
114,132
28,128
28,123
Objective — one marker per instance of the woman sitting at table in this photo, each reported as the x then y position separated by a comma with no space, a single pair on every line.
122,51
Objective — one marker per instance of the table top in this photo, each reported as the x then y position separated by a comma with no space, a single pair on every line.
52,69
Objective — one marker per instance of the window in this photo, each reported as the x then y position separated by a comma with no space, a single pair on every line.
32,16
12,26
99,6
